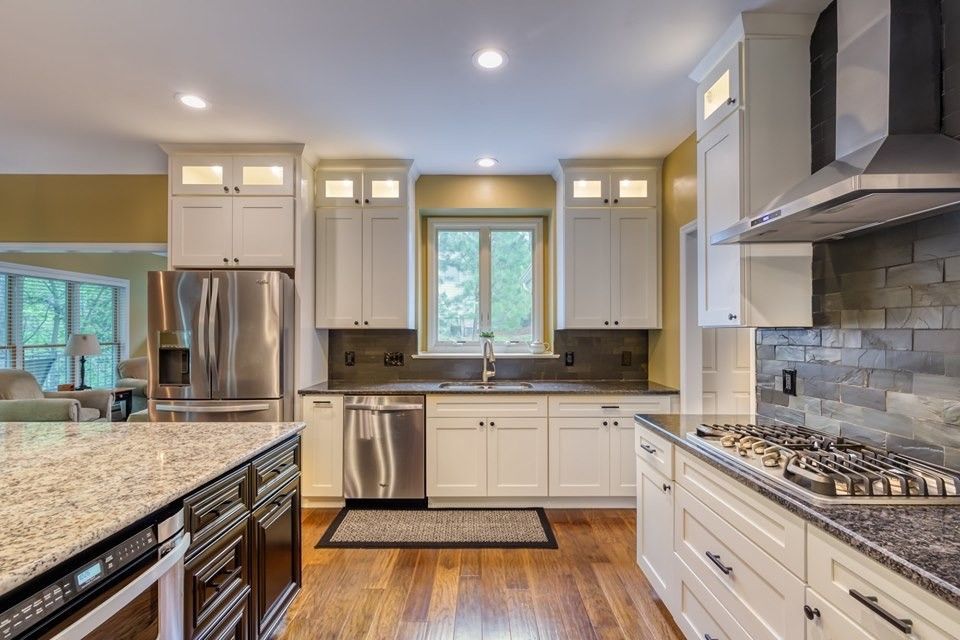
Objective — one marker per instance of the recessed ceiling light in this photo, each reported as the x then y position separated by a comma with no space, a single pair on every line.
486,162
191,100
489,58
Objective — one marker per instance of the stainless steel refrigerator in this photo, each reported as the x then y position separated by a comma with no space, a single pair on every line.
220,346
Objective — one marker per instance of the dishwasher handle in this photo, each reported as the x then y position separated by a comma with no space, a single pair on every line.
383,408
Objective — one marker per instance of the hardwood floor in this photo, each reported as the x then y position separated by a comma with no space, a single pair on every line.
590,587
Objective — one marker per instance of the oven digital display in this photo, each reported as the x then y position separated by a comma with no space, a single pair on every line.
90,574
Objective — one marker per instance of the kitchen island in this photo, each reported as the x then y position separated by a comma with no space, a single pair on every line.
69,487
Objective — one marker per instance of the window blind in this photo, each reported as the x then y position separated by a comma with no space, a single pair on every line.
42,309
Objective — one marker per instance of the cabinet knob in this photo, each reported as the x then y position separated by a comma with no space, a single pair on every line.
666,487
236,189
616,424
366,200
616,322
606,200
616,200
226,260
732,316
226,189
731,100
365,322
356,201
604,423
606,322
236,259
493,424
810,612
356,323
481,423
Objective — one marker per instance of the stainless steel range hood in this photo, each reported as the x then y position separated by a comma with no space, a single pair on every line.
892,161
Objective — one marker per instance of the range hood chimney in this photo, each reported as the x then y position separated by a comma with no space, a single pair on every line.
892,162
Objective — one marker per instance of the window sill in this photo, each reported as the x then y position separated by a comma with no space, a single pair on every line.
428,355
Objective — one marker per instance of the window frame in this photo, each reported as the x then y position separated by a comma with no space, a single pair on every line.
484,225
14,341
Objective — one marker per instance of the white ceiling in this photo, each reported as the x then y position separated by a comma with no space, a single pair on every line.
88,87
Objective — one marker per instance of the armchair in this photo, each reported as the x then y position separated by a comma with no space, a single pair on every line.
132,372
22,400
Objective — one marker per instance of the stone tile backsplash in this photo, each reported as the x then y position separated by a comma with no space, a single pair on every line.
882,362
597,356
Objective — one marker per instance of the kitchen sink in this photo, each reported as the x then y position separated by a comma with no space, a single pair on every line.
486,386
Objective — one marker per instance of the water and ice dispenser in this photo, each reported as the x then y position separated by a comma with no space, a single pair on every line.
173,357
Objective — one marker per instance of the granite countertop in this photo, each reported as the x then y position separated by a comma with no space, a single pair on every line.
921,543
586,387
68,486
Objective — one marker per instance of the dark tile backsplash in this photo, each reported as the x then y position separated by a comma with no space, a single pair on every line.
823,89
597,356
882,362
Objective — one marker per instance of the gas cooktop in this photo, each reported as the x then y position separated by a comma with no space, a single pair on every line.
830,469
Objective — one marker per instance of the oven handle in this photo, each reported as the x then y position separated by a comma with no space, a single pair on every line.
384,407
167,573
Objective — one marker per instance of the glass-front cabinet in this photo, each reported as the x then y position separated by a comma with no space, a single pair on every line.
241,175
384,188
201,175
586,188
339,188
635,188
263,175
718,95
362,188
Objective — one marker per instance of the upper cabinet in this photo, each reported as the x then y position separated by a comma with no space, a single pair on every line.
233,206
362,187
240,175
364,249
753,132
608,233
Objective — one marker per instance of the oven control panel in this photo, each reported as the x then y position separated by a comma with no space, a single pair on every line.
20,618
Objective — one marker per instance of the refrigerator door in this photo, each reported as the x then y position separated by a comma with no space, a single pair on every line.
216,410
177,313
246,343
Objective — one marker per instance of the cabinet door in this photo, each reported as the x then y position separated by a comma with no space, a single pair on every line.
586,188
655,532
322,446
635,188
718,206
623,457
385,264
579,457
263,176
276,558
339,268
635,268
384,188
517,457
201,175
216,577
263,232
719,94
201,232
339,188
456,457
587,268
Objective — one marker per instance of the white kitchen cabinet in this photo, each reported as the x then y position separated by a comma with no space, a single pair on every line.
456,457
655,531
364,187
263,175
579,457
240,175
623,459
517,457
231,232
322,446
201,175
608,231
828,623
362,268
753,130
384,187
339,188
200,231
263,232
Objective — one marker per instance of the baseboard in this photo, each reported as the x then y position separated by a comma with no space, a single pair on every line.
608,502
321,503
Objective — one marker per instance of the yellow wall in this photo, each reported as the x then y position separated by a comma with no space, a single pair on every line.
679,208
83,208
129,266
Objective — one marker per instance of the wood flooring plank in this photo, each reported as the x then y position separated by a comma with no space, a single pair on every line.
421,587
443,599
523,615
469,619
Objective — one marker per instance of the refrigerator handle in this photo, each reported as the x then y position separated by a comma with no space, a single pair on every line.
205,285
212,333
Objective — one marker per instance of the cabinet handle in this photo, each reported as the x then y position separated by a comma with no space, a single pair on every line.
810,612
609,406
236,189
318,403
649,449
219,509
666,487
707,636
731,100
732,316
715,559
226,189
905,625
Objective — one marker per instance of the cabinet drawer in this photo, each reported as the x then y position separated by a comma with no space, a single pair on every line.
493,406
764,597
699,613
868,593
235,623
207,511
769,526
594,406
654,450
829,623
275,468
215,577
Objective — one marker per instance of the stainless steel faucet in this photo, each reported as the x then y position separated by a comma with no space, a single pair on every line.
489,360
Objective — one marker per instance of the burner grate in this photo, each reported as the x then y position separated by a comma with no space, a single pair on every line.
833,466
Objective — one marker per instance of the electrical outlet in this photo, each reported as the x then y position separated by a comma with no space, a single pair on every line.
568,358
349,358
393,358
790,382
626,358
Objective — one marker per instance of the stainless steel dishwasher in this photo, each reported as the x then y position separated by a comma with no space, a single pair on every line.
384,447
